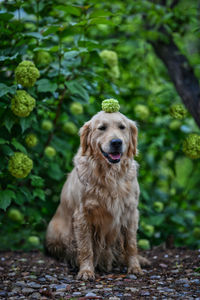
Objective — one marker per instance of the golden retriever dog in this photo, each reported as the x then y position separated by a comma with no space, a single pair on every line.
96,222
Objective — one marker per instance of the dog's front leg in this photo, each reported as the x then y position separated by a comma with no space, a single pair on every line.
83,234
130,246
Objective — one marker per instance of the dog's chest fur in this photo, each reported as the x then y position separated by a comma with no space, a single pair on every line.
108,200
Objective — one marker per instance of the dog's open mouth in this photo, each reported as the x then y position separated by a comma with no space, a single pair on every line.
113,157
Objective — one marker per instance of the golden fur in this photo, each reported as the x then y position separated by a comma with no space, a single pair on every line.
96,222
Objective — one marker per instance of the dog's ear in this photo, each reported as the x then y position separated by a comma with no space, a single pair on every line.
84,137
132,149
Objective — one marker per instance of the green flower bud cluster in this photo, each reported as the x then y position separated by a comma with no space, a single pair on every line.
111,59
31,140
148,229
50,151
70,128
178,111
141,111
158,206
191,146
76,108
42,58
26,73
22,104
144,244
34,240
110,105
20,165
47,125
15,215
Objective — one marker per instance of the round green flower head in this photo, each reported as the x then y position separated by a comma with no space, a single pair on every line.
76,108
20,165
70,128
50,151
42,58
26,73
31,140
141,111
47,125
144,244
178,111
109,57
110,105
191,146
22,104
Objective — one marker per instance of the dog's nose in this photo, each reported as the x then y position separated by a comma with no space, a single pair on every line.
116,143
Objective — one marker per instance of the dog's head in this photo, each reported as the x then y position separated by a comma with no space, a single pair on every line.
111,136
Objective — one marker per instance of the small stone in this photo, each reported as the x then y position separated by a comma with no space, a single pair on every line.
36,295
20,283
132,289
50,278
11,274
22,259
90,294
163,265
40,261
27,291
41,279
186,285
132,276
127,295
155,257
3,294
99,286
77,294
196,281
33,285
143,293
61,287
114,298
181,281
155,277
166,255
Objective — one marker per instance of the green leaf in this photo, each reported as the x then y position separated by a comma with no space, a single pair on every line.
77,89
36,35
6,16
39,193
37,181
27,122
5,198
51,29
70,9
7,150
45,85
20,199
4,58
183,167
100,20
4,89
9,121
2,141
55,172
18,146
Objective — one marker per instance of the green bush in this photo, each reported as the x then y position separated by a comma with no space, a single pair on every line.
66,85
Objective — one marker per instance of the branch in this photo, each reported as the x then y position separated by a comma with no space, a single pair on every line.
181,74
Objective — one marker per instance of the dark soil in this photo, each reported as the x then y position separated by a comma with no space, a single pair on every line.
174,274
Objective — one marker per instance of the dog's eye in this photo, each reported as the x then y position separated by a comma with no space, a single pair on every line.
103,127
122,127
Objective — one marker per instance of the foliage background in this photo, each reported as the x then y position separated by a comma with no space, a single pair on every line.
74,34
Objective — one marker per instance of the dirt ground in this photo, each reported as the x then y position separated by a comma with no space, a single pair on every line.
173,274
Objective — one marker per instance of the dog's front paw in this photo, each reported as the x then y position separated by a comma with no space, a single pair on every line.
143,261
86,275
134,267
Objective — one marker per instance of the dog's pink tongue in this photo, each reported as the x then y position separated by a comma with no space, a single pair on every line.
115,156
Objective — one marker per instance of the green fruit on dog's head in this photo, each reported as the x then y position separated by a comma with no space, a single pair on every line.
34,240
15,215
110,105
